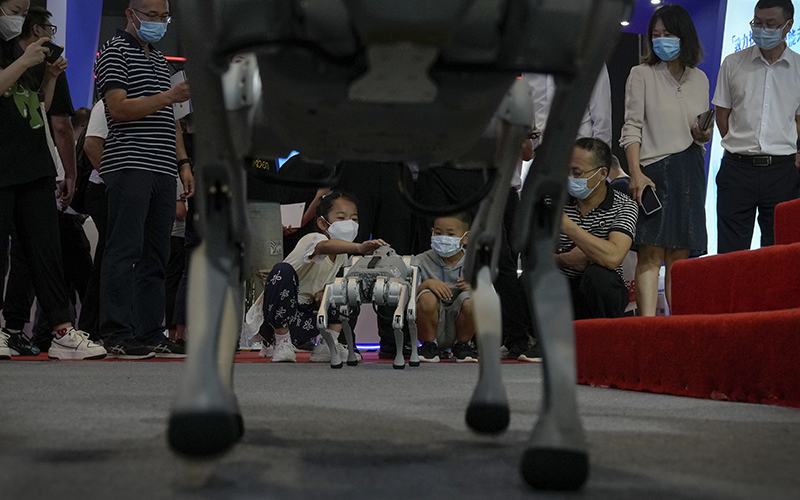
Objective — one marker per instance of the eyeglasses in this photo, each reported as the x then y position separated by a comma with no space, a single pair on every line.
757,25
154,17
51,26
577,174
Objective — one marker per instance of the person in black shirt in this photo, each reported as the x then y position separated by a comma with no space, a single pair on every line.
26,181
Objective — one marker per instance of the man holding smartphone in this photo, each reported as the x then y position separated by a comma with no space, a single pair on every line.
142,156
758,115
597,230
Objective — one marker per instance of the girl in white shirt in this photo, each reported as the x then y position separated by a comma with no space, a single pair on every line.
294,287
664,148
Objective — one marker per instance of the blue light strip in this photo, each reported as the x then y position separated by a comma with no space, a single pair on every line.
368,347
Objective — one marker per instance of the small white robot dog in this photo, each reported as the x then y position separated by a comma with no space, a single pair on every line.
385,279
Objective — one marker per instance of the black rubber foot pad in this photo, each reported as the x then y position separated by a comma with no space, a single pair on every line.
487,419
336,367
399,367
240,423
553,469
204,434
413,363
352,363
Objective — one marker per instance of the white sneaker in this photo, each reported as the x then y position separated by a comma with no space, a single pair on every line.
266,350
5,352
75,344
284,352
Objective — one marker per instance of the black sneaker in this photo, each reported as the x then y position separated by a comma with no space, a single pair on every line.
20,345
429,352
129,349
465,353
532,355
165,348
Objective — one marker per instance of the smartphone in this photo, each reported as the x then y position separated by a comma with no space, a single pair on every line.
706,119
55,52
650,202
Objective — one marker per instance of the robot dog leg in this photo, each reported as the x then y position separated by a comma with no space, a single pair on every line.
556,456
488,410
205,418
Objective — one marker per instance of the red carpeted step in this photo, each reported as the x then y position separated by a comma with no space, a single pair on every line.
746,357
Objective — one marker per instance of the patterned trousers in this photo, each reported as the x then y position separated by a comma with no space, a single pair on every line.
283,310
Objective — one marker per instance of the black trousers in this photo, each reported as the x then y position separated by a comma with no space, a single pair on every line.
741,189
518,325
175,268
20,294
141,210
31,209
191,241
598,293
96,202
77,259
3,267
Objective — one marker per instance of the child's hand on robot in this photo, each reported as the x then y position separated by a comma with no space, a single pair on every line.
463,285
370,246
440,289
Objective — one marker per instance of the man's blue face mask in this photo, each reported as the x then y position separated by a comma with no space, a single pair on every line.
579,188
151,31
768,38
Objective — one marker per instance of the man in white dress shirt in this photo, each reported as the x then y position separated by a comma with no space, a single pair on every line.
597,119
758,115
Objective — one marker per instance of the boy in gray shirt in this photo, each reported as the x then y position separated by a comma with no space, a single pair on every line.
444,309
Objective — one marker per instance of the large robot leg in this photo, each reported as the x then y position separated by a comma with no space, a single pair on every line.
205,419
488,410
556,456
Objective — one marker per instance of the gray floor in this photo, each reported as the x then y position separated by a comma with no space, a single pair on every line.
96,430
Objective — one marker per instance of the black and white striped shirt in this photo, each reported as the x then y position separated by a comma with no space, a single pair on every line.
148,143
617,212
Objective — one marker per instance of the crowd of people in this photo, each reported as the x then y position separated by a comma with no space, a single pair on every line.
125,164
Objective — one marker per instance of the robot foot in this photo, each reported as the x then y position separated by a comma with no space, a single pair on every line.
555,469
487,418
204,435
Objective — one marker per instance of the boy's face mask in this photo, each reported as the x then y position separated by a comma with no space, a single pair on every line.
446,246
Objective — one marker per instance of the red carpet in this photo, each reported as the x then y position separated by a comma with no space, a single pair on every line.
746,357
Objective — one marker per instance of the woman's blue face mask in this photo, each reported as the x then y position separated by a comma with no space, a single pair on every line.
667,48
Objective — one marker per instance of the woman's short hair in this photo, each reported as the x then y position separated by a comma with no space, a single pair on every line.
679,23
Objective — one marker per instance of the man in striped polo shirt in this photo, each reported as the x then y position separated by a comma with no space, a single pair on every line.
597,230
142,156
